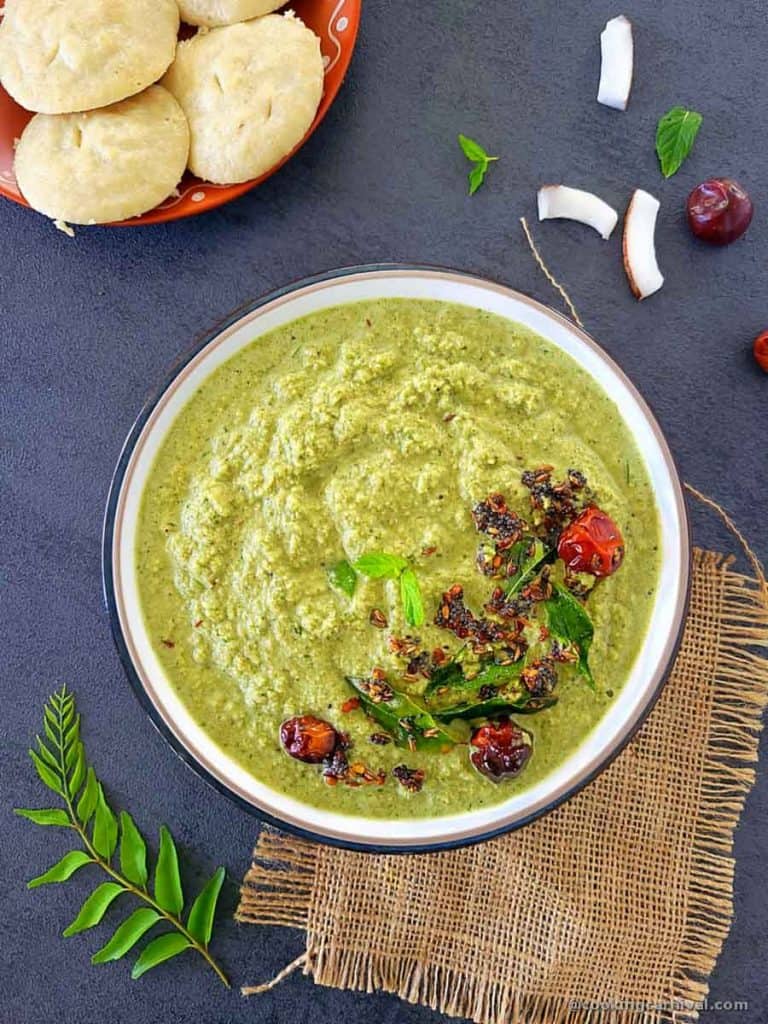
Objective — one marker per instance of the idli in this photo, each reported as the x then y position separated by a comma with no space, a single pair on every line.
224,12
250,92
60,56
107,164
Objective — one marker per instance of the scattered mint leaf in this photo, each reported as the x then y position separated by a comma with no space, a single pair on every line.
481,160
62,767
377,565
675,135
343,577
410,595
472,150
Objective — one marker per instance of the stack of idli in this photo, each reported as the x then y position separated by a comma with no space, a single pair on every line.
122,108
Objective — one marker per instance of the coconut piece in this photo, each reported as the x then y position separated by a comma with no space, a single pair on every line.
639,247
617,63
561,201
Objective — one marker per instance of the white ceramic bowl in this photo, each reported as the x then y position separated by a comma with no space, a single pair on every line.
157,694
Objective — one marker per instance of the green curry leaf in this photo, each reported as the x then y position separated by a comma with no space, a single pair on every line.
62,767
450,694
528,555
168,892
158,951
62,870
133,851
95,907
104,827
127,935
408,723
569,622
200,921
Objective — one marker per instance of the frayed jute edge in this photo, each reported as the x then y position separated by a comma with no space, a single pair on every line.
279,887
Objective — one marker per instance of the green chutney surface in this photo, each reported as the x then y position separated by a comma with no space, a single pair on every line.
372,426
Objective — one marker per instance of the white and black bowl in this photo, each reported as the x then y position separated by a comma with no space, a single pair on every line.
167,711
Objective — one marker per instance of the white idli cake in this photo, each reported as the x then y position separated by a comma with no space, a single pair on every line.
225,12
107,164
250,92
59,57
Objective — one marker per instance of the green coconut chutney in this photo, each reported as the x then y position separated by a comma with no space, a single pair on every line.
372,426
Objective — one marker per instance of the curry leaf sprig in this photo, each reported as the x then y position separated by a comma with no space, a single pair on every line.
377,565
480,160
61,765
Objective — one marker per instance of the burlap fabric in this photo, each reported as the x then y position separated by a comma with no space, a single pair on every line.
613,908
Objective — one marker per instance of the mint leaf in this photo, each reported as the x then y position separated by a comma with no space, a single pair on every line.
377,565
480,159
343,577
675,135
410,595
473,150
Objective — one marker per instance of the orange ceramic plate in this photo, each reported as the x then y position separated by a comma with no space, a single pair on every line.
334,21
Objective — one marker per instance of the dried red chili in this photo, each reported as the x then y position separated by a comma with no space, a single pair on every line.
308,739
760,350
500,749
592,544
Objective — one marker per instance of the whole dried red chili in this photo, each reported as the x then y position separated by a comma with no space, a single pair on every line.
592,543
500,749
308,739
760,350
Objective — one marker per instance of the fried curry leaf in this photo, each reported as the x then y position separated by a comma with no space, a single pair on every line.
409,724
522,704
529,555
450,685
569,622
451,694
342,576
449,677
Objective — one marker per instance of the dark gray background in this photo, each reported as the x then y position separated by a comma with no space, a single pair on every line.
89,326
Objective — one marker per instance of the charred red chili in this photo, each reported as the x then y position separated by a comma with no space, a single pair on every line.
592,544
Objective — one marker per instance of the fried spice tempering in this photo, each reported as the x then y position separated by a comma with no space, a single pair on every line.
411,779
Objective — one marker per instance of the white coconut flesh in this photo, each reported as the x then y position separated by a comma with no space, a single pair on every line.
640,263
563,202
617,63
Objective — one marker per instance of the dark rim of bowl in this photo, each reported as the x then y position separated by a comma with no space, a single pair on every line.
155,717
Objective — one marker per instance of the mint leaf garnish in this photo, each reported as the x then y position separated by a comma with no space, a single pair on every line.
675,135
474,152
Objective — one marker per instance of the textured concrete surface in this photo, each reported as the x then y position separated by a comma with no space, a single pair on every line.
87,327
